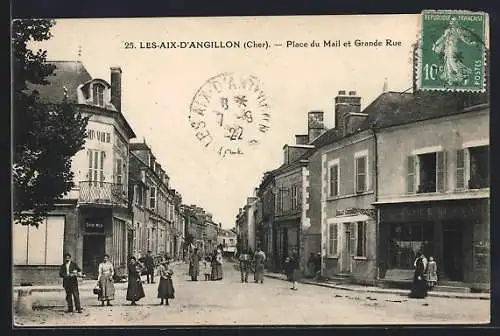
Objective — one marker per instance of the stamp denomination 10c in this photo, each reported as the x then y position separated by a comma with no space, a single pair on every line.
230,113
452,51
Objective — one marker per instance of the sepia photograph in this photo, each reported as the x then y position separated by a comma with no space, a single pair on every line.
251,170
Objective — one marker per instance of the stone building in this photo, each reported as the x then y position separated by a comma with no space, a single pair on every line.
433,192
93,218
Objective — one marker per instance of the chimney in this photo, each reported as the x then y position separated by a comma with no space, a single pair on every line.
344,106
315,125
116,88
301,139
285,154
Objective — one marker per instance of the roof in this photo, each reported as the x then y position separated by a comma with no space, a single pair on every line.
396,108
67,74
138,146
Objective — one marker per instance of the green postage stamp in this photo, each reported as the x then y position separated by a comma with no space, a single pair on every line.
453,50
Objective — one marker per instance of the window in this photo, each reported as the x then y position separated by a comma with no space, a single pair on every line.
119,173
294,198
332,240
98,94
361,168
279,201
119,238
152,198
96,165
405,240
426,173
361,239
472,169
333,179
39,246
108,137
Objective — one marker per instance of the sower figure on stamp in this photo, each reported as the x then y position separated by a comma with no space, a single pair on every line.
69,271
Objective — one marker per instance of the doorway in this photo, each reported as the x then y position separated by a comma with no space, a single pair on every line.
346,251
452,263
94,247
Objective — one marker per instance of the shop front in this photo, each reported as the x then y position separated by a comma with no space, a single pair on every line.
288,232
455,233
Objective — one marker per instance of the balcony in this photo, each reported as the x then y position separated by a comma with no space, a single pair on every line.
478,182
102,193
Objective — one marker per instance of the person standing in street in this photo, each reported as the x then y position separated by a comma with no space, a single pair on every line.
419,286
70,271
218,263
294,270
135,291
259,259
150,267
166,286
105,281
194,265
244,259
207,268
431,273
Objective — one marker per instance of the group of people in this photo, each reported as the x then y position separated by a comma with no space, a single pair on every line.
424,277
105,288
211,264
257,262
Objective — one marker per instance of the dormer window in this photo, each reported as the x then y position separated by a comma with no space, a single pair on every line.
98,94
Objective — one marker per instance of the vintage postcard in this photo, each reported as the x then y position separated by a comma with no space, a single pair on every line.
319,170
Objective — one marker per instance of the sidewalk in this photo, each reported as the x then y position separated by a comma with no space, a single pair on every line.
372,289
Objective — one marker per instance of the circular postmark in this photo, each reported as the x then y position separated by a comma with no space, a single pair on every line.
230,113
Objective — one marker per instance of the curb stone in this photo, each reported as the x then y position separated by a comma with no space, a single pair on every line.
385,291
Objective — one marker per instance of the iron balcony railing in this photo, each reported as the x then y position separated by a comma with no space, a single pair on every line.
103,193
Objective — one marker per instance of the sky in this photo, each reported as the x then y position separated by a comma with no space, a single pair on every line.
158,85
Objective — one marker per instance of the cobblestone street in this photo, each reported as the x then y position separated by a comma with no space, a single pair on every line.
229,302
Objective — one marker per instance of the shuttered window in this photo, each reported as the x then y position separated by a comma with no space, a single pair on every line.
441,171
334,180
332,240
361,163
411,174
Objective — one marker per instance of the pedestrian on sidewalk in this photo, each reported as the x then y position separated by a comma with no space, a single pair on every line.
135,291
294,269
165,287
150,267
70,272
217,264
105,281
419,286
207,268
431,273
244,260
259,259
194,265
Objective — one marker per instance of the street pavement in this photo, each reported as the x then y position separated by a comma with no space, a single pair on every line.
230,302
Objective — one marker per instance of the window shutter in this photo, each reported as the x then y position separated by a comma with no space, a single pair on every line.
411,174
354,238
460,170
441,171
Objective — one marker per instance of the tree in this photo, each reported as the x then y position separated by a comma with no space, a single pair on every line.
45,135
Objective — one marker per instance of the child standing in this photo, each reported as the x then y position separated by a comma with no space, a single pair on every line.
431,273
166,286
207,268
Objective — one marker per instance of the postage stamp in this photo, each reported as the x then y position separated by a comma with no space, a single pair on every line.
229,113
452,50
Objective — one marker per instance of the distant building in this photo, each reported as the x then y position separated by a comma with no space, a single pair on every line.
228,240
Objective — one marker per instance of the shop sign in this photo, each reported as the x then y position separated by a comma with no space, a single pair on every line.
93,227
355,212
417,212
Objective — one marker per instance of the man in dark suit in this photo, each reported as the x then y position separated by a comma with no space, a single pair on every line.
150,267
69,271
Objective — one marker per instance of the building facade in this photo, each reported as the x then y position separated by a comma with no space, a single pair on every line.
434,190
93,219
228,240
267,233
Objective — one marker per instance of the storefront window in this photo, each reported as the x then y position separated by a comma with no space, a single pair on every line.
405,240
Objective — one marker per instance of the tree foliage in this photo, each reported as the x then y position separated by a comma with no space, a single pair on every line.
46,135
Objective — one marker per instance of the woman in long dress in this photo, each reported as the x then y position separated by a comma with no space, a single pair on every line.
259,260
194,265
165,287
419,286
135,291
217,265
105,281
